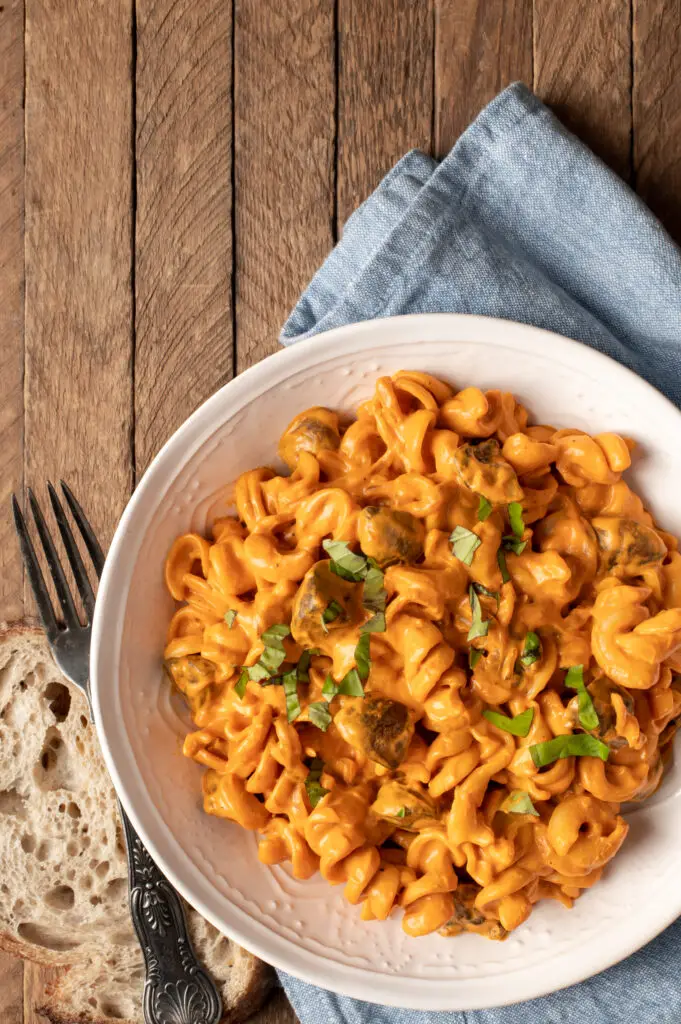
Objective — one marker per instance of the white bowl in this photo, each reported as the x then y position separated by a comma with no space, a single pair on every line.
307,928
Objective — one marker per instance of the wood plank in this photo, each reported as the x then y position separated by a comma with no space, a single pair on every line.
78,328
481,46
284,161
277,1010
37,982
11,297
657,108
11,989
183,226
385,91
582,69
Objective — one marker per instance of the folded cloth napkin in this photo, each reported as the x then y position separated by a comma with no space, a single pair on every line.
519,221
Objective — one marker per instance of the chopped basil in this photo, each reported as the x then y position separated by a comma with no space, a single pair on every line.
511,543
290,684
240,687
351,684
531,650
484,508
479,626
376,624
274,654
515,518
329,689
479,589
362,656
464,544
374,599
344,562
474,657
401,813
230,617
319,715
574,679
331,613
519,802
313,787
501,559
303,667
577,745
517,726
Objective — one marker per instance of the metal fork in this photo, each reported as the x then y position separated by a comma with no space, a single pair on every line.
177,989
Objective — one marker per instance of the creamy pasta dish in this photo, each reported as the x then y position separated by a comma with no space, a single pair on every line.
432,659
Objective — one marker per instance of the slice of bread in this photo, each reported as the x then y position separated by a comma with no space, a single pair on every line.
63,870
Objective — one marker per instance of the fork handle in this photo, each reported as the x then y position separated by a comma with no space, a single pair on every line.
177,989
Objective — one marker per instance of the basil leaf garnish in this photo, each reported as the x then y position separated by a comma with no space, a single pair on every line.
479,626
517,726
519,802
313,787
374,599
511,543
319,715
329,689
531,650
376,624
230,617
515,518
474,657
501,559
401,813
272,658
290,683
588,716
464,544
484,509
479,589
240,686
579,744
344,562
331,612
362,656
351,684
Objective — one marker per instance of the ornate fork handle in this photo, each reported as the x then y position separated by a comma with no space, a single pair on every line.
177,990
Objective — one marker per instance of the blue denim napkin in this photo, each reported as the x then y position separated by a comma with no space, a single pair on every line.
519,221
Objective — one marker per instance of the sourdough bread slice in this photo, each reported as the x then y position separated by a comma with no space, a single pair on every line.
63,871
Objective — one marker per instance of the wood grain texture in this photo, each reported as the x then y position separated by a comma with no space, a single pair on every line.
183,246
11,296
385,91
657,108
582,69
277,1010
11,989
78,328
481,46
37,983
284,151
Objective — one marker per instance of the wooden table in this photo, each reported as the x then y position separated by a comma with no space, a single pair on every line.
173,171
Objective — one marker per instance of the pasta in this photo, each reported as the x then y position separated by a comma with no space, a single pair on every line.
432,659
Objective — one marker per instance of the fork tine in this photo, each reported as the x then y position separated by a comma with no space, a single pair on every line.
91,542
35,573
73,554
54,565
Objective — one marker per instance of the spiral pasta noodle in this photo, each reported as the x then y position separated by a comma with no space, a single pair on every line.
432,658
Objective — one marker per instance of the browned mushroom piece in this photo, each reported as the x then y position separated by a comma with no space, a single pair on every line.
321,590
193,676
382,729
314,430
390,536
467,918
409,807
627,547
483,469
